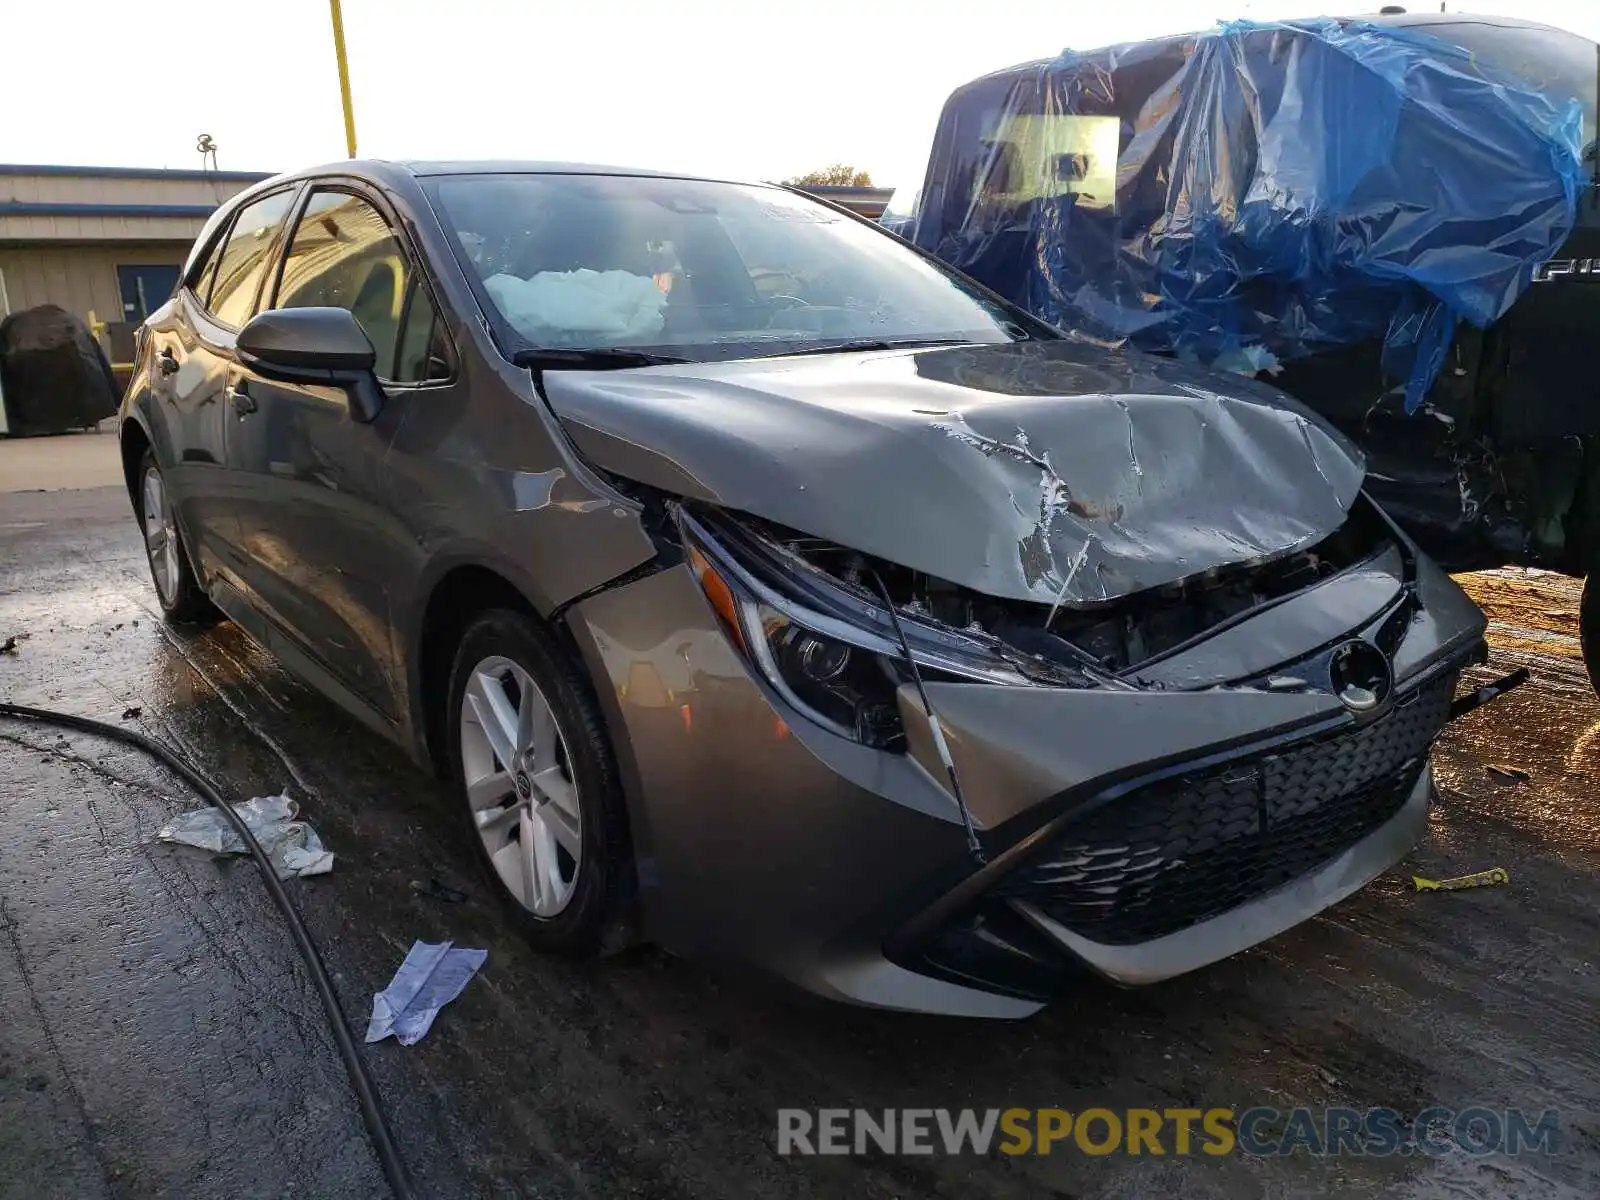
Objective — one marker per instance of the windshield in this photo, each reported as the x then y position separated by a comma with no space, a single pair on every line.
1560,65
698,270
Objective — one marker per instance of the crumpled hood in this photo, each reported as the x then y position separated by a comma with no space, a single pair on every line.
1051,470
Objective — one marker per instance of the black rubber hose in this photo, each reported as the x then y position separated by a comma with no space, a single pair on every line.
366,1088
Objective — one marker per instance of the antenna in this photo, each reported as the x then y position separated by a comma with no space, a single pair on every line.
208,152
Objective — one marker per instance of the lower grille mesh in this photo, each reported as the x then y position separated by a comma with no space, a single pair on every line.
1180,850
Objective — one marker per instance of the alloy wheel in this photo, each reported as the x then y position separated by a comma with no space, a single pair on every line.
519,784
160,537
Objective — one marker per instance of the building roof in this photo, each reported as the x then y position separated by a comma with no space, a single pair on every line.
174,173
48,203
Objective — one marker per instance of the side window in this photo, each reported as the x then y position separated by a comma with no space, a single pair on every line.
422,354
244,258
207,270
344,255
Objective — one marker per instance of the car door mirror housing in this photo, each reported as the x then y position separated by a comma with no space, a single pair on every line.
317,339
314,345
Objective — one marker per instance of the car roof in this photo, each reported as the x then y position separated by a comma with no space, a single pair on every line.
535,167
380,170
391,173
1419,22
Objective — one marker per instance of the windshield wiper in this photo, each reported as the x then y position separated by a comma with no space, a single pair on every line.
595,356
872,344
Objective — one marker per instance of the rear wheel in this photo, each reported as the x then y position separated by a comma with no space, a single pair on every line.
176,588
537,783
1589,630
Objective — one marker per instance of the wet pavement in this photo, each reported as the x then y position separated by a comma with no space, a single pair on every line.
158,1035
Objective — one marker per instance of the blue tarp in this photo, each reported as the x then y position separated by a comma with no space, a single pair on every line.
1264,190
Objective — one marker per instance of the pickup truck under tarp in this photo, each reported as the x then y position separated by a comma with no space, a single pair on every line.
1394,218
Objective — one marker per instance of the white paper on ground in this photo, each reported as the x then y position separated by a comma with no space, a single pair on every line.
293,846
433,974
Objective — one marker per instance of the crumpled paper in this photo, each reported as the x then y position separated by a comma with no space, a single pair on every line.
433,974
293,846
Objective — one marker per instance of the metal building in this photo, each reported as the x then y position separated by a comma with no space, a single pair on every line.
104,243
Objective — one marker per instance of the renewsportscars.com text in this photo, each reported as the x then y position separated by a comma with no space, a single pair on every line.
1258,1131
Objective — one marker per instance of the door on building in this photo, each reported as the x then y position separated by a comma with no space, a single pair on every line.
145,289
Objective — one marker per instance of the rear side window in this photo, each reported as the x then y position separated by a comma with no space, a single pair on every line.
345,255
207,270
244,258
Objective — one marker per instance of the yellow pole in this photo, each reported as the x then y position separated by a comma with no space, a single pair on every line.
344,78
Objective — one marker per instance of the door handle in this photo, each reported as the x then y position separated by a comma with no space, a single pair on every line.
243,402
166,363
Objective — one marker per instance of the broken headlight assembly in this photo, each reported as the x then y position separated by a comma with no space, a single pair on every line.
828,648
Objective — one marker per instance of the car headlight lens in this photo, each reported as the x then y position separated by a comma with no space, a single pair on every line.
845,688
829,652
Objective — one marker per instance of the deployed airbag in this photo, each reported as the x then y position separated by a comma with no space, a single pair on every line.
1264,189
558,307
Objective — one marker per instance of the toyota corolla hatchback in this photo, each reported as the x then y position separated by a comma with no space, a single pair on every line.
769,591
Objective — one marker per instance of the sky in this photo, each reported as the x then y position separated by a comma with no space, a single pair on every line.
749,89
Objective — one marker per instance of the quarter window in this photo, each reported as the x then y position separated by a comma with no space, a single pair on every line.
207,270
345,255
245,257
421,355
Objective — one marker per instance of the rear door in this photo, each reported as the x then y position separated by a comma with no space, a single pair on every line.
192,349
321,544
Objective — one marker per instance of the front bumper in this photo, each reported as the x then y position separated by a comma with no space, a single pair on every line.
1142,879
763,839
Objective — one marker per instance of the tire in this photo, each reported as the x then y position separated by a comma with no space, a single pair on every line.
1589,630
179,593
576,901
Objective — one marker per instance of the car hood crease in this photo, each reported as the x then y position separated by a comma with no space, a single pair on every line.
1050,471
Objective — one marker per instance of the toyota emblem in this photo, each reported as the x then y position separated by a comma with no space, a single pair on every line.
1360,676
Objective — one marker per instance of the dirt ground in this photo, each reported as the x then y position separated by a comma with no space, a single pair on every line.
159,1037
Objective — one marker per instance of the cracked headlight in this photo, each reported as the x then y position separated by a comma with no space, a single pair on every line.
828,650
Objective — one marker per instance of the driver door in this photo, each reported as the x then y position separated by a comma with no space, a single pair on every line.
319,538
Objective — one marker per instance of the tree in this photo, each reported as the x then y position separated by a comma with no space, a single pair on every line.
838,175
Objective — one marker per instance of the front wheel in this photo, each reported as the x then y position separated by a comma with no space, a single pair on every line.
538,783
180,594
1589,630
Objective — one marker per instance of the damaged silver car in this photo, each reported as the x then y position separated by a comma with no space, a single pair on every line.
772,592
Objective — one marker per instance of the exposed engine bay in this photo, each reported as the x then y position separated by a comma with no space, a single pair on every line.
1114,637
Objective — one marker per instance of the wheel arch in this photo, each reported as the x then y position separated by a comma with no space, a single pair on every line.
456,598
134,442
1589,629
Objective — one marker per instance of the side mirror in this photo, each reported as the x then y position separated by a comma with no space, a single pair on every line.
314,345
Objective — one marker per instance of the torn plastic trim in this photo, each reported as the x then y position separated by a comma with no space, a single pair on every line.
1473,701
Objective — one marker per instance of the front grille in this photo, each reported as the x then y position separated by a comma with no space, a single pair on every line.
1174,852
